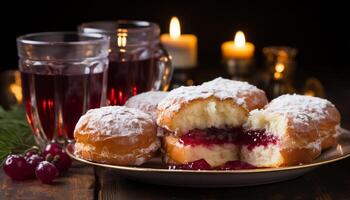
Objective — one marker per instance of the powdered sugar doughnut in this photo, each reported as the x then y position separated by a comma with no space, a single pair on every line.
217,103
147,102
116,135
302,125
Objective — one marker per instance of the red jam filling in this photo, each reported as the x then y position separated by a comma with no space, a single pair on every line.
209,136
203,165
238,136
196,165
254,138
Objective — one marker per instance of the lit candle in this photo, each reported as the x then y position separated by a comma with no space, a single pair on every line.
182,48
15,87
237,49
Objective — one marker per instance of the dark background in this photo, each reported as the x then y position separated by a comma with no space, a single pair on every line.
319,30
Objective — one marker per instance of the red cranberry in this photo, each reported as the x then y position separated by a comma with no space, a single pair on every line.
32,152
46,172
32,162
63,162
53,149
16,167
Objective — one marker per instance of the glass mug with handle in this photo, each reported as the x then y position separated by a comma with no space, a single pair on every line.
63,75
137,60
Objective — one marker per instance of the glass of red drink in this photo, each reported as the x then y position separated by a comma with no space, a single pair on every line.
137,60
63,75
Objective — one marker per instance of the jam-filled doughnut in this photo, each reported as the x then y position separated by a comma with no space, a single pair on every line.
116,135
147,102
202,121
290,130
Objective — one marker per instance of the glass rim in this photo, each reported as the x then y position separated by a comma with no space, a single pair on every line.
95,38
275,49
140,26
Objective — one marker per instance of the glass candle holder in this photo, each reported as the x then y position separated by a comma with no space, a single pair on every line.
280,61
238,69
314,87
63,75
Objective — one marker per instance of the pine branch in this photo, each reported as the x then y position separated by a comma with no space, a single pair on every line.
15,134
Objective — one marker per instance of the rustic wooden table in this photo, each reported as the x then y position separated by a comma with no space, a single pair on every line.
327,182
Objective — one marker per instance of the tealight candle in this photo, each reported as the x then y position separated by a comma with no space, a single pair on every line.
238,49
181,47
238,56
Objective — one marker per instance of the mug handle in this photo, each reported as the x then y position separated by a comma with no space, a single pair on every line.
165,70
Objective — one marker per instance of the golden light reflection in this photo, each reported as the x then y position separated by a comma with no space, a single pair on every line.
310,93
122,37
279,68
174,29
340,149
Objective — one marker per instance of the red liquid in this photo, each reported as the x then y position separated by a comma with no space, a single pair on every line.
59,100
26,99
238,136
126,79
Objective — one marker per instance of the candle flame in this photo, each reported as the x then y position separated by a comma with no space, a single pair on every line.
279,67
175,29
239,39
16,89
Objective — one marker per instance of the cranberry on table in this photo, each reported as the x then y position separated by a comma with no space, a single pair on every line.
53,149
30,153
32,162
46,172
63,162
16,167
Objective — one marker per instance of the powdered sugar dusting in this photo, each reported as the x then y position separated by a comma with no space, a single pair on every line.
219,87
114,120
146,102
303,110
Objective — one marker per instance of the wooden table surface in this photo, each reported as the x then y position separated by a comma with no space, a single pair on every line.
85,182
327,182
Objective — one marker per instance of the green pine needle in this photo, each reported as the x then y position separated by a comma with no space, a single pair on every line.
15,134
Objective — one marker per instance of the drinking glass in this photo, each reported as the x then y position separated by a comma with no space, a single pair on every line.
137,60
63,75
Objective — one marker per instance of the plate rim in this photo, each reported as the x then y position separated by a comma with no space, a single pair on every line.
258,170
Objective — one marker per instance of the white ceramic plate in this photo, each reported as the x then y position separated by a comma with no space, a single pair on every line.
154,172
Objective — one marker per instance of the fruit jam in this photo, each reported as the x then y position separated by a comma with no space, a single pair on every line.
203,165
215,136
238,136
